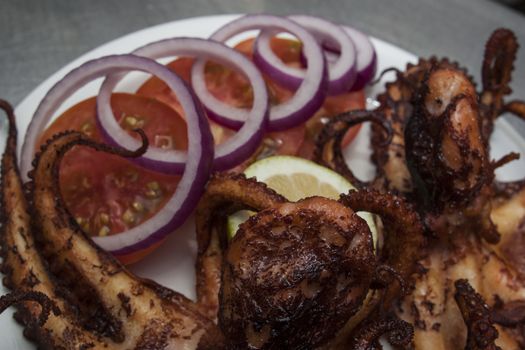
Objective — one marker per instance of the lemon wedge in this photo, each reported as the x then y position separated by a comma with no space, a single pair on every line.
296,178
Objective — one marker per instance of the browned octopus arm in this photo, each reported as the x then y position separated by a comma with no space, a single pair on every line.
225,194
101,304
498,63
477,316
399,333
23,267
328,150
403,235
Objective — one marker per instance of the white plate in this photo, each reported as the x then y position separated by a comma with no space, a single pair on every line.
173,264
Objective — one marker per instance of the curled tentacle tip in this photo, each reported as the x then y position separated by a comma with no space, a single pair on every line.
399,333
382,74
145,142
20,296
385,275
509,157
6,106
402,334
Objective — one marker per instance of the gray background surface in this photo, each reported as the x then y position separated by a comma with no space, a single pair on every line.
37,37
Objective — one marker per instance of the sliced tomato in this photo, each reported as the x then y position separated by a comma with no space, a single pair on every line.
108,194
234,89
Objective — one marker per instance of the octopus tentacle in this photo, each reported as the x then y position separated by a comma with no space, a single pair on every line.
403,234
23,266
507,158
328,151
140,313
498,64
366,337
225,194
481,332
384,73
384,276
516,107
506,189
19,296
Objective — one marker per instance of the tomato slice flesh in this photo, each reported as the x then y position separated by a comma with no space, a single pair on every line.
234,89
106,193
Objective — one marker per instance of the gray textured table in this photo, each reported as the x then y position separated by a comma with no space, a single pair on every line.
38,37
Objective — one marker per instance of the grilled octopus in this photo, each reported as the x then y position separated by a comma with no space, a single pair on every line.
439,160
298,275
295,275
306,274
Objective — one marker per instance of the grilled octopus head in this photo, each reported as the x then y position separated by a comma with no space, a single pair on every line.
300,274
294,274
446,154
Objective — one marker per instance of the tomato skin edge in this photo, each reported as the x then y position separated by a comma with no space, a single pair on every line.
129,259
107,194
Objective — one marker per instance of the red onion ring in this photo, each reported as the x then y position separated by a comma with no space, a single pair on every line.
200,147
228,154
309,96
341,73
366,64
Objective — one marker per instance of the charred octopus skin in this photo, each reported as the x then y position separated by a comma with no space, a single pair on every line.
439,160
100,304
481,331
225,194
448,158
367,336
296,273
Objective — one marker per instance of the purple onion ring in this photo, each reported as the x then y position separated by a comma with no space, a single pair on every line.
309,96
366,64
228,154
199,156
341,72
